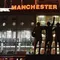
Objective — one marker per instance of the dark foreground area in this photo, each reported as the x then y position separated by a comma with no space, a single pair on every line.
30,57
42,57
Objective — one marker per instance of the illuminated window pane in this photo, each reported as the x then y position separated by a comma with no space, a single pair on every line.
27,35
25,38
4,24
42,23
53,44
14,34
3,34
14,24
53,51
42,51
0,34
9,34
57,50
43,44
57,44
22,34
44,19
43,35
40,18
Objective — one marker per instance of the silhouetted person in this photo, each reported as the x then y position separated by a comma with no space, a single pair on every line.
57,32
38,37
49,36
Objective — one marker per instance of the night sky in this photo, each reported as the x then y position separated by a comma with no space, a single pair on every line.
24,2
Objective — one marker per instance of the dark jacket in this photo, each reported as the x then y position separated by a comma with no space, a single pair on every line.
37,32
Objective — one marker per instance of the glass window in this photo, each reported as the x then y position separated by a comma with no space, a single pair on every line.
0,34
14,34
3,34
41,19
9,34
44,19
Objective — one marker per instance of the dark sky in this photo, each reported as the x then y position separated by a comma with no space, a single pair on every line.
1,3
19,2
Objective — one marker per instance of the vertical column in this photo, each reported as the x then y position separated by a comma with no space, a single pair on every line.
19,37
19,45
21,2
16,35
16,43
4,3
59,2
10,2
36,1
1,46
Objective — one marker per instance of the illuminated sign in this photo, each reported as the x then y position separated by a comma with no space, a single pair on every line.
30,7
34,7
5,9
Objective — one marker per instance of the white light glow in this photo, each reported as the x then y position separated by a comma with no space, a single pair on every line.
5,9
42,16
4,24
22,23
43,35
14,23
9,34
55,16
54,35
32,23
27,34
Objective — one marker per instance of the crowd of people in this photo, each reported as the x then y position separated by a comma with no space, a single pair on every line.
37,34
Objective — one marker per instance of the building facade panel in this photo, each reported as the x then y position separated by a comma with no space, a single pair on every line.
16,27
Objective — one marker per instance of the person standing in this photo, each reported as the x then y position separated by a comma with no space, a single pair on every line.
37,33
57,32
49,35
